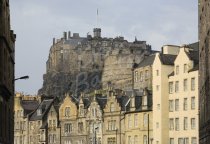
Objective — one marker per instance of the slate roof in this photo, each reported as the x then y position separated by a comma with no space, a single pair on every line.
194,46
147,61
29,105
44,106
167,59
194,55
102,100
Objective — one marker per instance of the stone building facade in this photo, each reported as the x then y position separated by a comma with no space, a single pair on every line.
23,106
204,72
7,62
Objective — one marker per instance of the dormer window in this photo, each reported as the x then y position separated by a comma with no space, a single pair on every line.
67,111
39,112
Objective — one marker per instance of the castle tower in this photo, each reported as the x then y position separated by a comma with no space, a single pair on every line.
97,32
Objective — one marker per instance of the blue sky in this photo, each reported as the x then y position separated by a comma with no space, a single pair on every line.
36,22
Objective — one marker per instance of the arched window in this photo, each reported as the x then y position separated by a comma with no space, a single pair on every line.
67,111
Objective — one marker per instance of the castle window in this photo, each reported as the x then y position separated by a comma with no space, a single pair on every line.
171,124
171,105
39,112
185,123
67,111
146,74
193,103
177,124
136,120
193,123
146,119
185,104
177,105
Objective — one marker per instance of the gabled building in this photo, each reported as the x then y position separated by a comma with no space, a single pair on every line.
175,115
38,122
183,98
23,106
73,128
138,118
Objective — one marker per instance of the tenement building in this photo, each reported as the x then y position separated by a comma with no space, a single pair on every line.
7,61
204,71
23,106
175,89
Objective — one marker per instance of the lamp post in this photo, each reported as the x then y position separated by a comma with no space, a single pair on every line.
23,77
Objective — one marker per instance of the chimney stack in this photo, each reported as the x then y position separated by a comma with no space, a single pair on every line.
97,32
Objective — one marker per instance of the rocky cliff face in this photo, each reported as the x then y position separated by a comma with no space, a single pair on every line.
81,64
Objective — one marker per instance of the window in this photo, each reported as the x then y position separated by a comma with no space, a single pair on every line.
177,70
185,104
50,138
112,125
171,105
81,108
171,124
180,141
68,128
158,106
157,72
141,76
192,84
145,119
67,111
185,68
80,127
111,140
194,140
177,86
171,140
129,121
146,74
177,124
176,104
145,139
111,107
157,87
170,87
185,123
67,142
144,100
136,76
136,139
39,112
157,124
192,103
185,84
54,138
136,120
129,140
54,123
193,123
186,140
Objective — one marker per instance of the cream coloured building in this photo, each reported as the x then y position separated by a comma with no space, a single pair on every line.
183,98
168,123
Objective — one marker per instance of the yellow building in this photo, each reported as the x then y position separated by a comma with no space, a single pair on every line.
23,105
183,98
165,80
138,119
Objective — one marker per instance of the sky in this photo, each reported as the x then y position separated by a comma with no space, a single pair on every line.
37,22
